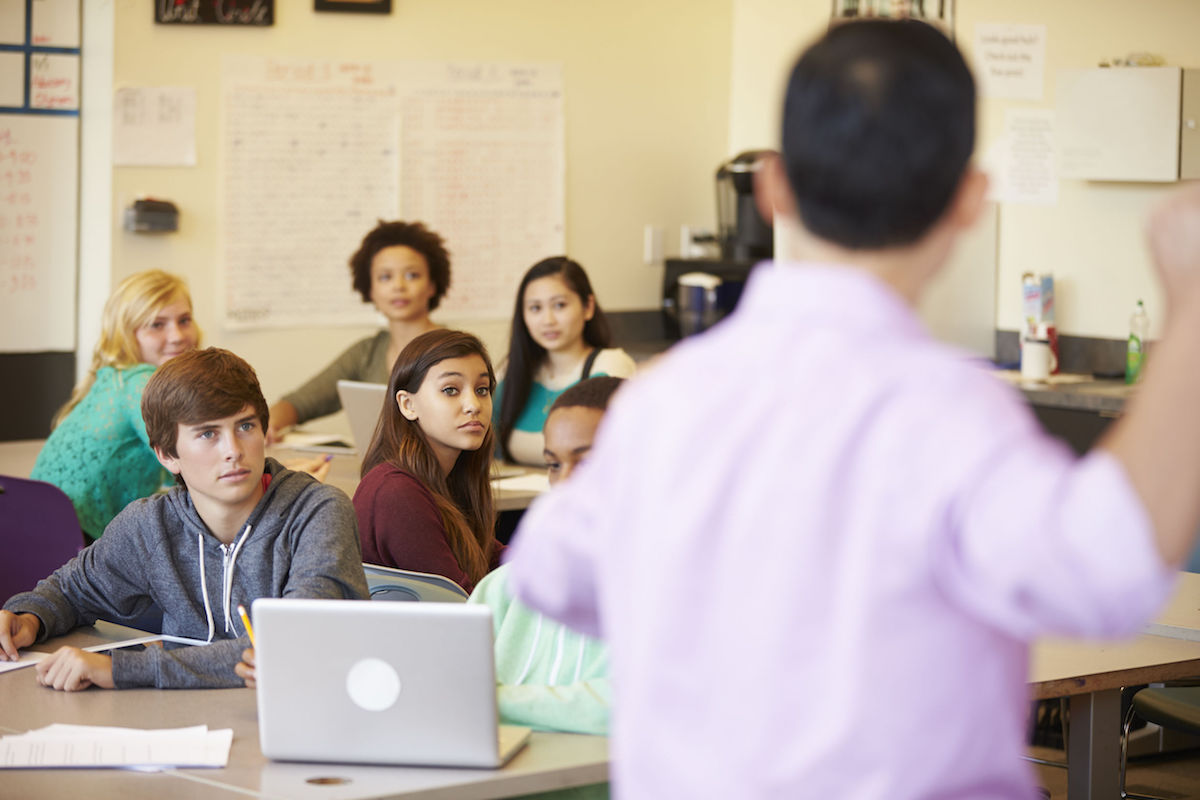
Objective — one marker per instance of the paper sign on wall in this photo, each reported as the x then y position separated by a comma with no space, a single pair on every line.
154,127
1010,60
1022,165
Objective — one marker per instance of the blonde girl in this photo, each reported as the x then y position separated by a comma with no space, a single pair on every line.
98,453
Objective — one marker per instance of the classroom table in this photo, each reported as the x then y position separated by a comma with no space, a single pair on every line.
1091,675
17,459
344,469
549,761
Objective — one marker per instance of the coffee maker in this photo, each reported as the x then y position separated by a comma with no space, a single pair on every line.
698,292
741,231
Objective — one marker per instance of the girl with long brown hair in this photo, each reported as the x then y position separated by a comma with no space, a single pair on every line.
425,499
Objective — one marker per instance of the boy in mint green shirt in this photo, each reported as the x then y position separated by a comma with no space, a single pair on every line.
549,676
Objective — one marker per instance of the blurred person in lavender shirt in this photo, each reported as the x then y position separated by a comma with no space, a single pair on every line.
819,542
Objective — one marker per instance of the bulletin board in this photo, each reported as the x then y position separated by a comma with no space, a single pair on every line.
39,173
315,152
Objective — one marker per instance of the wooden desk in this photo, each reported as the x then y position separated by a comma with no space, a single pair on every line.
549,761
1092,674
16,458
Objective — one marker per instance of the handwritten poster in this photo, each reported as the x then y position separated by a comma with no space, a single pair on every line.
39,158
1022,165
315,152
309,166
54,81
1010,60
154,126
482,162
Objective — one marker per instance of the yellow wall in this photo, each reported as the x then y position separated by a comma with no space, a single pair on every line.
1092,239
647,110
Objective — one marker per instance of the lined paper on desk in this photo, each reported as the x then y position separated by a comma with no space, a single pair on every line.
58,746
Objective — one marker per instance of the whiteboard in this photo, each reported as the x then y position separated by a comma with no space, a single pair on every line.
12,79
56,23
12,21
39,165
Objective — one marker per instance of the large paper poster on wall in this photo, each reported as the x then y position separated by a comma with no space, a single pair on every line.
315,152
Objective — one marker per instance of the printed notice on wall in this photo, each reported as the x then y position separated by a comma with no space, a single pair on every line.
1021,165
38,172
1010,60
309,166
482,161
154,127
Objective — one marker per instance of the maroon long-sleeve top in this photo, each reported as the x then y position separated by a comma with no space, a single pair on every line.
399,526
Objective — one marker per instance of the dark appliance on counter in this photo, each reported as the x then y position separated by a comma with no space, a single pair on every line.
744,237
741,231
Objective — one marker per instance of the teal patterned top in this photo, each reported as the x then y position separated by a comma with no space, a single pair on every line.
100,455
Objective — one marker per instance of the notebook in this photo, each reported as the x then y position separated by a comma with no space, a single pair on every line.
361,682
362,403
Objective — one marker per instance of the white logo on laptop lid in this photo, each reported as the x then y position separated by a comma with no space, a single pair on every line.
373,685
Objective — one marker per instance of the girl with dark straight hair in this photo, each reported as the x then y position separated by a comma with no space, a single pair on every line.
559,337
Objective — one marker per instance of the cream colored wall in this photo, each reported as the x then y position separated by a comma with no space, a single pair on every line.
1092,239
647,110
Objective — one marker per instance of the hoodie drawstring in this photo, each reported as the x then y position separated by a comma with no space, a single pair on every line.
204,587
227,593
227,582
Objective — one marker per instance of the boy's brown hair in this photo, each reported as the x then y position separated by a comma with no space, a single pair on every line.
198,386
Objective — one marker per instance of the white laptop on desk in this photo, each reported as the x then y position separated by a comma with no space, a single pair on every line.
360,682
362,403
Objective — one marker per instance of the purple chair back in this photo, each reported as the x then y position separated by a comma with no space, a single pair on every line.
39,532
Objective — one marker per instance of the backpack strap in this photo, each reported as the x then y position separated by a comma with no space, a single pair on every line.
587,365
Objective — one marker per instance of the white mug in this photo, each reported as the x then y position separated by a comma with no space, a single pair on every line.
1037,360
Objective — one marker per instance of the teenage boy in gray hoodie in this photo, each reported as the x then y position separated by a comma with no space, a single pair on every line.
239,526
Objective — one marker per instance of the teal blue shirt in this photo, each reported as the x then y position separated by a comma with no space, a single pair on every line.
526,442
100,455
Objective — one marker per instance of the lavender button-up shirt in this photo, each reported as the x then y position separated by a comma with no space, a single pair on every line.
818,543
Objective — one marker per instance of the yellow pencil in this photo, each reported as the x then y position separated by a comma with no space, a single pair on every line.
246,622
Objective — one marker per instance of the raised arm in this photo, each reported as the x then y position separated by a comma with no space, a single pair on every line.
1158,439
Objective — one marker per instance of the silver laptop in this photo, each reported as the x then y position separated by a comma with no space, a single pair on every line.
362,403
360,682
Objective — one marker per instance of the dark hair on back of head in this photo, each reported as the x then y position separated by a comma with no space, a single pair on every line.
198,386
591,393
878,127
406,234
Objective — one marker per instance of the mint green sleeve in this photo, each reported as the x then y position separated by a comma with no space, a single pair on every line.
574,708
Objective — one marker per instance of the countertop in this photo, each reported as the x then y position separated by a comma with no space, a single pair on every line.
1072,391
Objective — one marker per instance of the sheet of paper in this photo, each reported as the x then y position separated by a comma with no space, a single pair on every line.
27,659
1010,60
533,482
154,127
1022,164
59,746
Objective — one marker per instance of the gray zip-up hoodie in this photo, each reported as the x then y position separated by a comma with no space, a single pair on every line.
301,540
